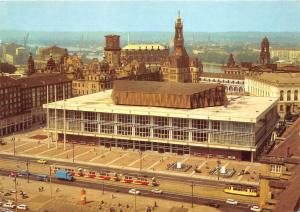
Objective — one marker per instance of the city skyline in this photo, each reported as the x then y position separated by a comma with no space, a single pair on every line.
117,16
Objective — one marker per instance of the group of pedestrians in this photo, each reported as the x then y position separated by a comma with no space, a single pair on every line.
41,188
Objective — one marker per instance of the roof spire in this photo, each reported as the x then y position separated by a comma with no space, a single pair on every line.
178,14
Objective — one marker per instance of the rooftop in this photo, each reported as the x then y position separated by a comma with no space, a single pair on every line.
236,110
278,79
221,75
144,47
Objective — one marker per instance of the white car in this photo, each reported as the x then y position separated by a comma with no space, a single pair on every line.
134,191
231,202
157,191
9,205
22,207
255,208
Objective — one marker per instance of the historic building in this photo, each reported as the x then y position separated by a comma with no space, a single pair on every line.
112,50
217,126
179,67
95,77
284,86
234,84
150,54
280,176
21,99
264,57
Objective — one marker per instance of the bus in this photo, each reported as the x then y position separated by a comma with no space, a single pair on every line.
245,190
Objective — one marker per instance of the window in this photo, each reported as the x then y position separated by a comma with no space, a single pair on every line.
107,123
281,95
215,125
161,127
288,95
200,128
281,108
124,124
142,126
90,122
296,95
180,129
276,168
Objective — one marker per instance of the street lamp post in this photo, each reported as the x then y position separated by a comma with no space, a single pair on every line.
50,181
73,152
27,168
13,140
135,201
141,154
193,194
16,197
218,162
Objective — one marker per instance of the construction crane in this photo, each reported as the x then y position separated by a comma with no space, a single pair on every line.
26,39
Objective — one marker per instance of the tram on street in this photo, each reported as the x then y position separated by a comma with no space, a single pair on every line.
245,190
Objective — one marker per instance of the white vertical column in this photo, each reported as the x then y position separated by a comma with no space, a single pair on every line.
115,124
151,128
55,114
98,122
209,131
170,130
133,125
64,111
81,121
48,121
190,132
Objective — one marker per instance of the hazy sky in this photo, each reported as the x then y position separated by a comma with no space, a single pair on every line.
203,16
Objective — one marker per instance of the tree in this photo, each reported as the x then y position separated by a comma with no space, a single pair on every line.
7,68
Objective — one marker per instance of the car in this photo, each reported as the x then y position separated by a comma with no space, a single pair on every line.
42,161
9,205
13,191
156,191
24,196
13,174
7,194
22,207
23,173
255,208
213,204
232,202
134,191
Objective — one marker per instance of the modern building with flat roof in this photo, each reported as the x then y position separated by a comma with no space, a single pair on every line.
235,130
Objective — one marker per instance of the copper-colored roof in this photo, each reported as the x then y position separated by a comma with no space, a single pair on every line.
289,199
221,75
291,141
161,87
6,82
278,79
43,79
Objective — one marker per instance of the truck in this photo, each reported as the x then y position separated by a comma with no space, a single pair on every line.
64,175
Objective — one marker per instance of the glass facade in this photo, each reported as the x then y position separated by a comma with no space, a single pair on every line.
161,128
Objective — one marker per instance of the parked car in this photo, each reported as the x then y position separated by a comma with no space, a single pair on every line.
157,191
23,173
42,161
134,191
7,194
213,204
9,205
22,207
232,202
13,174
255,208
13,191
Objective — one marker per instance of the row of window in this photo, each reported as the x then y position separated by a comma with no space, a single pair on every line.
289,95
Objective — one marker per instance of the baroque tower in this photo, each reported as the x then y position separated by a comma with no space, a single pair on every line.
264,57
179,49
30,65
112,50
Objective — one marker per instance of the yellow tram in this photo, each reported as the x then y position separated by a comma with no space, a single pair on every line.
244,190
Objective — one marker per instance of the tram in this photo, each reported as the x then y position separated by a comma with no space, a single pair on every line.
244,190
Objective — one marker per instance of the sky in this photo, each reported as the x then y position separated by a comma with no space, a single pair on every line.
155,15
